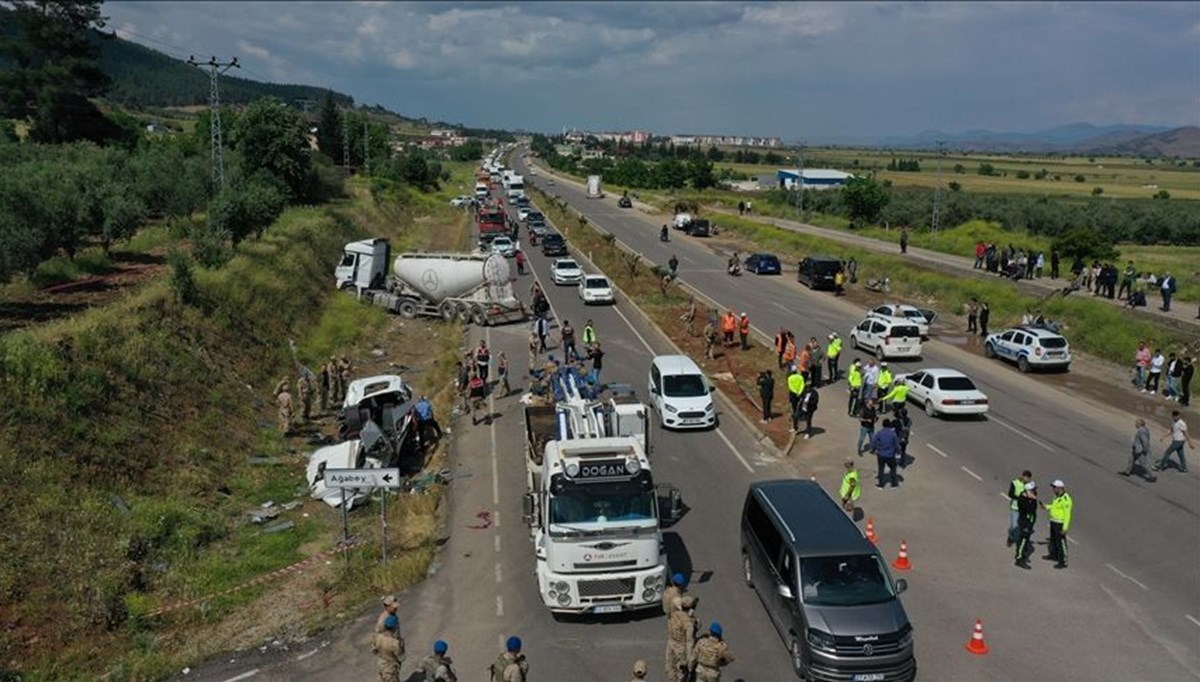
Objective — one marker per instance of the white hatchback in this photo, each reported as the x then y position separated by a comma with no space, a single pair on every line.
945,391
887,337
680,393
922,317
566,271
596,289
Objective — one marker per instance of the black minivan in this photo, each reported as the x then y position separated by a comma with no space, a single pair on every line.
818,272
825,587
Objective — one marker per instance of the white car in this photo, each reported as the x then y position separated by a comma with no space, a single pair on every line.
523,212
596,289
1030,348
918,316
505,246
945,391
681,394
887,337
460,201
566,271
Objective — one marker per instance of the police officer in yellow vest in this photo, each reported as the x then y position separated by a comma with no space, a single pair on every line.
832,351
850,490
897,398
1060,522
795,384
885,378
1015,490
854,377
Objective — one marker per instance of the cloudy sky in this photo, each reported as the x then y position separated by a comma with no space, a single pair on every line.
796,70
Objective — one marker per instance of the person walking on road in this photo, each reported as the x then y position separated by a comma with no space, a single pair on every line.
710,339
681,638
854,380
866,425
744,331
851,490
728,328
1140,453
1027,505
1174,371
510,666
388,648
972,316
896,398
710,654
903,240
883,382
502,372
1167,286
789,350
806,409
780,345
1060,523
596,354
589,334
520,259
426,421
886,447
1185,381
483,360
766,393
816,362
542,329
1180,440
1015,490
832,352
870,380
390,604
567,333
674,592
985,312
437,667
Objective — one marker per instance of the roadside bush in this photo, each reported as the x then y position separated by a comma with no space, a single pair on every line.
183,283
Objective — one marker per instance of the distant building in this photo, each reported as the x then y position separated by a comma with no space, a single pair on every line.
725,141
814,178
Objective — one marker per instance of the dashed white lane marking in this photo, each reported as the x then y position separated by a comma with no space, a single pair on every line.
309,654
497,538
1194,621
972,474
492,432
735,451
500,609
1020,433
499,579
934,448
1071,540
1130,578
246,675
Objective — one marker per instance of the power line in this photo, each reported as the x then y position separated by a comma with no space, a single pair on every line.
215,69
937,190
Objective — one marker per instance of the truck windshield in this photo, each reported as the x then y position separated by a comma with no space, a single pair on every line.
844,581
580,505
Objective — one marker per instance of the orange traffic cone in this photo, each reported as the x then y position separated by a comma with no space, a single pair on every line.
871,529
901,563
976,645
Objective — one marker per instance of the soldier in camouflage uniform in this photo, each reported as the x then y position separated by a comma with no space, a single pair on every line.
344,367
709,655
283,400
389,651
674,591
304,390
323,381
681,636
510,666
335,378
437,667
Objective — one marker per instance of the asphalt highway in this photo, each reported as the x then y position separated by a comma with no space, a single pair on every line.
1127,608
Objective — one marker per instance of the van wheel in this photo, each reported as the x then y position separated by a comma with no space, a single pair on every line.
879,353
929,409
1023,364
854,342
746,575
797,652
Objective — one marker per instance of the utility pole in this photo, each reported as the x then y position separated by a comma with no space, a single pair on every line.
366,145
800,182
216,142
346,140
937,190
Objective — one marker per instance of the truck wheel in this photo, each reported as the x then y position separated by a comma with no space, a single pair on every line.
478,316
464,313
407,309
449,311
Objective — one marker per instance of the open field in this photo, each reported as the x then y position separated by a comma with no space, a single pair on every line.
1119,177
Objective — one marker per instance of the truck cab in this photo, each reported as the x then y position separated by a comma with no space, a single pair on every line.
364,265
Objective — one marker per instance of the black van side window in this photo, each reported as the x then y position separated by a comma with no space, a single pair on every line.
763,529
786,567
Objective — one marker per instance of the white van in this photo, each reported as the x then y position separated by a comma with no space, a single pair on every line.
681,393
887,337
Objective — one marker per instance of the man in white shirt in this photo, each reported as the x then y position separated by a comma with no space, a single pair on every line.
1156,368
1179,439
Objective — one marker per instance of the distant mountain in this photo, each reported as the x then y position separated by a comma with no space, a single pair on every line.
1183,142
142,77
1059,138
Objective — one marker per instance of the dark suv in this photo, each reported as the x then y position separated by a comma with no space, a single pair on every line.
818,271
553,244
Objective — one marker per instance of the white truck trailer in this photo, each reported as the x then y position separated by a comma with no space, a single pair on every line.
592,506
473,287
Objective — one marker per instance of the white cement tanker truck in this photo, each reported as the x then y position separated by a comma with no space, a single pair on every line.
473,287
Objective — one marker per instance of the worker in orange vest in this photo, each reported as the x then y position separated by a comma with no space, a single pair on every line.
728,327
744,331
802,365
781,344
789,350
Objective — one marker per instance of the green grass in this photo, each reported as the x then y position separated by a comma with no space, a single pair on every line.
1094,327
88,262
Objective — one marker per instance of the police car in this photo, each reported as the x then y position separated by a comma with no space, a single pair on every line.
1030,348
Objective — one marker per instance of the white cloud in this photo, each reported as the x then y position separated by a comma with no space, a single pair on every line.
796,19
402,59
127,30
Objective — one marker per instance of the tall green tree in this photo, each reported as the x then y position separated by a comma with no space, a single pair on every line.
865,198
700,172
270,137
329,129
53,69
